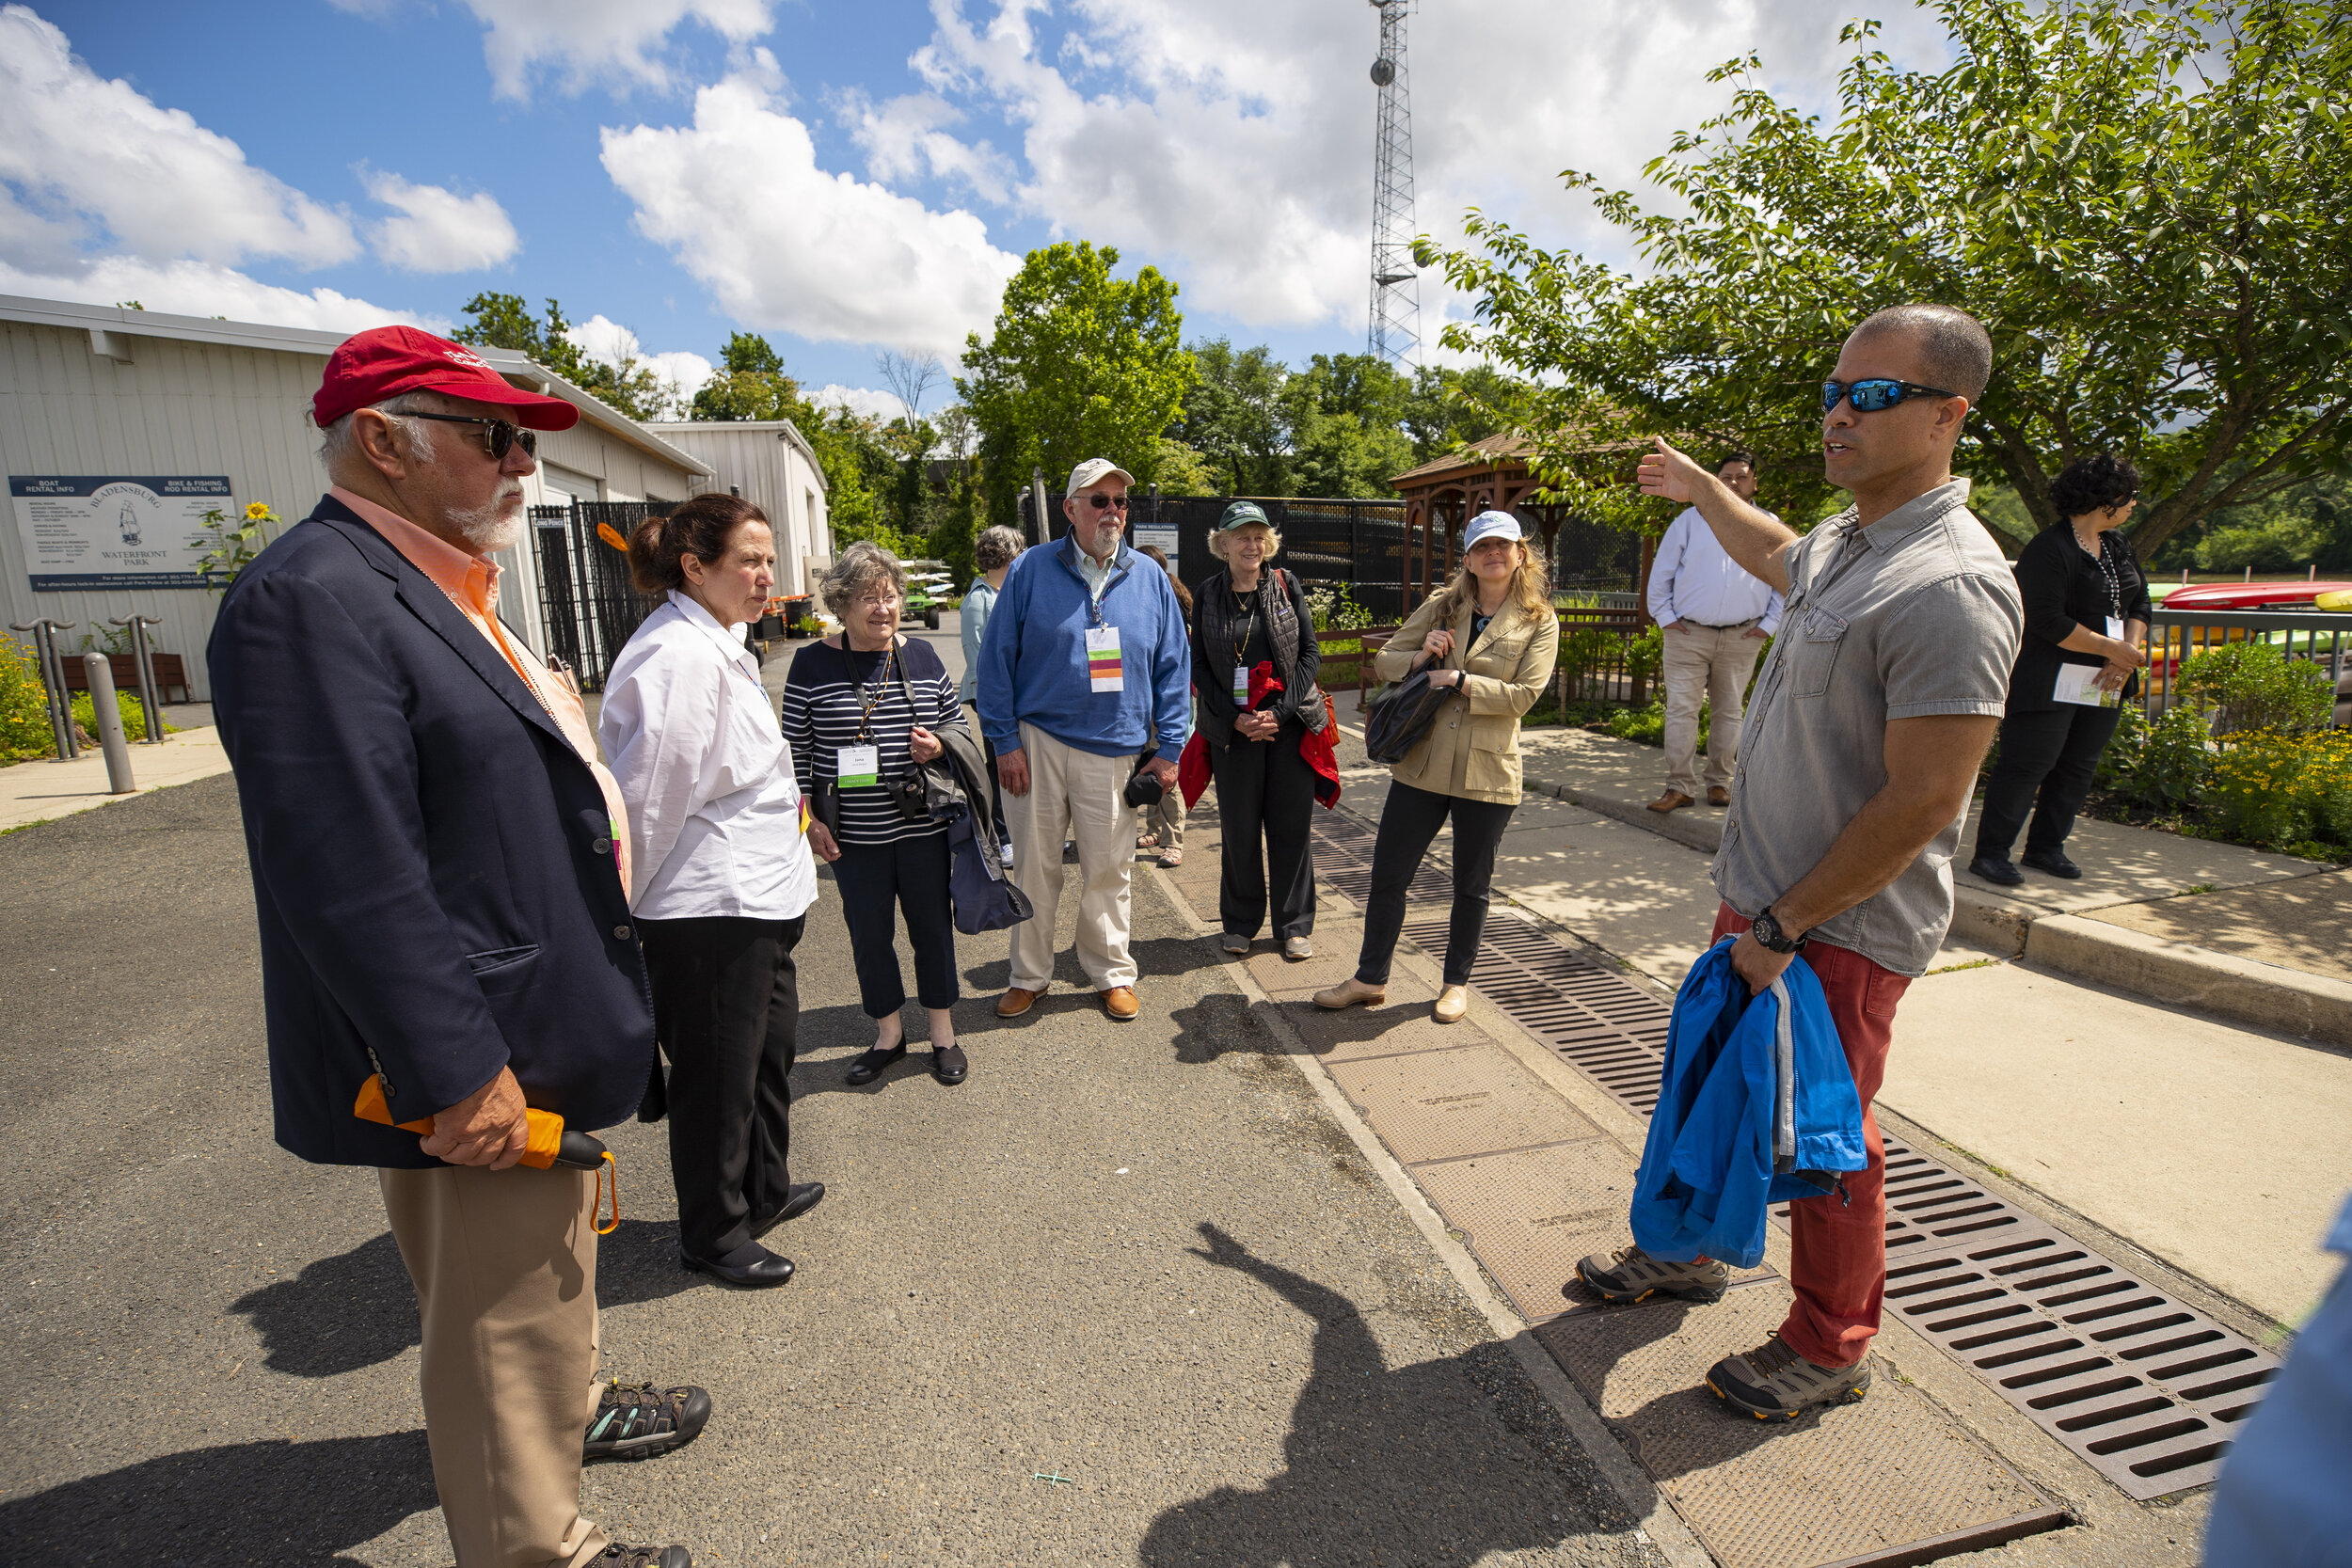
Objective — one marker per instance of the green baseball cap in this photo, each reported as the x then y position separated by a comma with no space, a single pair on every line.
1241,515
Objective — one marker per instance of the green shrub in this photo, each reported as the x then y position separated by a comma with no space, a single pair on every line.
1645,724
24,731
134,717
2256,687
2161,766
2284,789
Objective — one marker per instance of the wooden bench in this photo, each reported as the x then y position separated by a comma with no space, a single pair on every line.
169,672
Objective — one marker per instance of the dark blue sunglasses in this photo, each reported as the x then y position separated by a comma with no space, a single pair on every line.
1875,392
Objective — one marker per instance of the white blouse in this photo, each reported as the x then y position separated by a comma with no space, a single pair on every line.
692,735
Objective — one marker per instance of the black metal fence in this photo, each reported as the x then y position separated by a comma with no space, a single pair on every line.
2319,637
1357,544
585,596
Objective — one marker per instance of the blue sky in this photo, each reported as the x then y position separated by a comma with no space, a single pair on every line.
842,176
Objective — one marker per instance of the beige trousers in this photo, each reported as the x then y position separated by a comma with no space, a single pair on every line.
1078,794
504,1263
1703,664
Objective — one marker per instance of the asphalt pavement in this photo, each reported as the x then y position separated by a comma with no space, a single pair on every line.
1127,1296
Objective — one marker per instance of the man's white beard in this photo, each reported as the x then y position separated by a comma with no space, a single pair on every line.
492,528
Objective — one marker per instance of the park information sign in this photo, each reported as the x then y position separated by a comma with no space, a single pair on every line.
83,531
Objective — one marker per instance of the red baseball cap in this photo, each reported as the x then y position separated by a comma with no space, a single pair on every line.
385,361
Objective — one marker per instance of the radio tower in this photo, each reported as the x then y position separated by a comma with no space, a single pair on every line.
1395,330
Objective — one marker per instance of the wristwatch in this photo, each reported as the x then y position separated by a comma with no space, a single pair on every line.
1770,937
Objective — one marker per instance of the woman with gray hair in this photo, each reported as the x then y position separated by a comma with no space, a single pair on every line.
993,553
861,711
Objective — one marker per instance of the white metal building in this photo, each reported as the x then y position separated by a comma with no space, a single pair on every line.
92,392
770,464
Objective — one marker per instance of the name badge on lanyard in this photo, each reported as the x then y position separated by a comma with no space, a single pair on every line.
1103,666
2115,628
858,766
1241,685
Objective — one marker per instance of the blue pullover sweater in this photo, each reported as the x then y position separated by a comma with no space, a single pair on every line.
1033,658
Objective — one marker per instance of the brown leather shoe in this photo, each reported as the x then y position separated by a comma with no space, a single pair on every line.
1120,1001
1718,796
1015,1002
1350,992
1674,800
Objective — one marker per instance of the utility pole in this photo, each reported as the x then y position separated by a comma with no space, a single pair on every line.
1394,331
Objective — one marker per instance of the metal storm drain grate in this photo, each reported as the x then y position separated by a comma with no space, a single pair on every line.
2143,1386
1343,861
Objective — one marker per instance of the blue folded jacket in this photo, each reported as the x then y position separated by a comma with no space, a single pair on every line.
1755,1106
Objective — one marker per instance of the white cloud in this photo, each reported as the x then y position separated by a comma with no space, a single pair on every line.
97,162
601,337
1230,141
200,289
739,199
580,41
885,406
438,230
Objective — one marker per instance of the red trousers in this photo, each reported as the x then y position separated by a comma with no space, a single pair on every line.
1838,1248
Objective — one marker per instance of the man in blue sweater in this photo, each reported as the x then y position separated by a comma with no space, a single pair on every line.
1085,671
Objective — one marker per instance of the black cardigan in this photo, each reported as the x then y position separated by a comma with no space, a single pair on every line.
2062,587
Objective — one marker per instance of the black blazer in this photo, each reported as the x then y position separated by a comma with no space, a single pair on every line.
2063,588
432,861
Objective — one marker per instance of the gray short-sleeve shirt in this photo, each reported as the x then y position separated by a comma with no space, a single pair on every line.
1916,614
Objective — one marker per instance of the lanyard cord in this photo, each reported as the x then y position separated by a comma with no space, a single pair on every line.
1249,622
870,697
2107,575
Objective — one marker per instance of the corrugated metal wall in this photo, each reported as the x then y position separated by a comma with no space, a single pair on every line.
183,408
774,475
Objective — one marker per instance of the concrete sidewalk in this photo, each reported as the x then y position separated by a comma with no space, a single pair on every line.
2249,975
51,787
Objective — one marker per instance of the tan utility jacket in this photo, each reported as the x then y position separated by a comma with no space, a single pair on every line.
1473,749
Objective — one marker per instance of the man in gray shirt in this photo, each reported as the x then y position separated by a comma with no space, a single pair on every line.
1886,685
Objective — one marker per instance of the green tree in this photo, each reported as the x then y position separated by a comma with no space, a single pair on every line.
1345,416
1079,364
1233,416
1447,408
749,383
2143,200
503,320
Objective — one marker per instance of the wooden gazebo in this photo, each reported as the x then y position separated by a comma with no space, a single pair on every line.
1444,493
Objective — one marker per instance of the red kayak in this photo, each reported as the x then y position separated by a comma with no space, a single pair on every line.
2251,596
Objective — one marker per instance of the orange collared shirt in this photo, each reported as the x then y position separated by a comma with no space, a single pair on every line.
473,585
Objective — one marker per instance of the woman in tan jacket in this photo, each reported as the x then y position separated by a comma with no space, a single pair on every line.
1494,637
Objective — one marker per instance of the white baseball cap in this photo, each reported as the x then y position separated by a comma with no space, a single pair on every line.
1093,472
1491,525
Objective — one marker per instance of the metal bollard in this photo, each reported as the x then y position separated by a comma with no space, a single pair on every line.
53,681
109,716
143,657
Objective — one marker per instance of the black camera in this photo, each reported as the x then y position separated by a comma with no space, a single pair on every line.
912,799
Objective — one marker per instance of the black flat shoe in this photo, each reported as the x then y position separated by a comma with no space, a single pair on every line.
949,1066
873,1061
749,1267
2050,862
799,1199
1998,872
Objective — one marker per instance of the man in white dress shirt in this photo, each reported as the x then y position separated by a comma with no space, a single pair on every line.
1716,618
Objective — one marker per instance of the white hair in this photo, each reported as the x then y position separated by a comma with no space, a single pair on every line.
336,442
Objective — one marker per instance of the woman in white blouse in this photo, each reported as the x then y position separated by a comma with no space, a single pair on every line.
724,878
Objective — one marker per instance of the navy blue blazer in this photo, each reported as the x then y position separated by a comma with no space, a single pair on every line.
432,861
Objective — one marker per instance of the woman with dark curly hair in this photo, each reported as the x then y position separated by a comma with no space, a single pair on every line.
2086,616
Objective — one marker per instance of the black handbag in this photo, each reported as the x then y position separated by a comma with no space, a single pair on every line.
1401,715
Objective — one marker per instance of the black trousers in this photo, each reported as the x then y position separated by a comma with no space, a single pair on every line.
2046,765
996,790
1408,823
1266,796
878,881
726,1007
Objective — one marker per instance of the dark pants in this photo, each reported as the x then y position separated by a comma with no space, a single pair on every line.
727,1008
996,790
877,881
1265,794
2054,754
1407,824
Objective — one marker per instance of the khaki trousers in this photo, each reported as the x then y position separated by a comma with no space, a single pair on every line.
504,1263
1078,794
1705,664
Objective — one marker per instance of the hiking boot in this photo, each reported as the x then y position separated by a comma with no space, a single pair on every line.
1634,1275
1773,1383
637,1420
617,1556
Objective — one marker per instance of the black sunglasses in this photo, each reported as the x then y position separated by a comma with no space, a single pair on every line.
1107,503
502,434
1874,392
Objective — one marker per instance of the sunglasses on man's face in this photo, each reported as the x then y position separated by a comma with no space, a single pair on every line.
501,434
1874,392
1107,503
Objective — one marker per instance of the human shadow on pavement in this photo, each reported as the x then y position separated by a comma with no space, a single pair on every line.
272,1504
358,1308
1382,1465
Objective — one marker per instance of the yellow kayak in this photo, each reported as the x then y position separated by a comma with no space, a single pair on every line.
2340,599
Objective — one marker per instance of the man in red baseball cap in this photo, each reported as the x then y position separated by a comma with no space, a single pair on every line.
441,872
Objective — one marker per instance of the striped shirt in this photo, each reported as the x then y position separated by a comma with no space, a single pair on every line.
824,695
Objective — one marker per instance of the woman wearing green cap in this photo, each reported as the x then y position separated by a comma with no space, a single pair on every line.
1247,615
